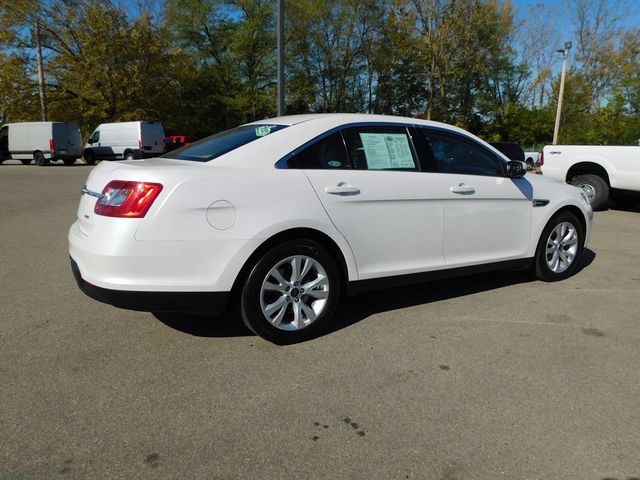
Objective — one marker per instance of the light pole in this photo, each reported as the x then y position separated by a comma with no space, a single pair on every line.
43,95
280,57
565,55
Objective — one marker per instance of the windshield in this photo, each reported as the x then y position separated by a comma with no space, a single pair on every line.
223,142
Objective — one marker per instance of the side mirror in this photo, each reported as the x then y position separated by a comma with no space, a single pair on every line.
516,169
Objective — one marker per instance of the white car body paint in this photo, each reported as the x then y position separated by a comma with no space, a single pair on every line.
399,223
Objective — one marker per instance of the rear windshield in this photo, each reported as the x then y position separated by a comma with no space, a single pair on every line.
223,142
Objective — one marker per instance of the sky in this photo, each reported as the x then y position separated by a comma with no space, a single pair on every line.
562,8
557,15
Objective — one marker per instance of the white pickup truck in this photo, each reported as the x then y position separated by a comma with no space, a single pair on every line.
599,170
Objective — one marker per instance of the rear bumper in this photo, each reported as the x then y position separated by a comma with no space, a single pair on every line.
201,303
60,156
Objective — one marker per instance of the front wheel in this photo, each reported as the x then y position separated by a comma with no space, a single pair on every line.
559,248
291,293
594,187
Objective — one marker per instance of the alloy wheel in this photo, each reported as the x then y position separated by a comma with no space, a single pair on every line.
562,247
294,293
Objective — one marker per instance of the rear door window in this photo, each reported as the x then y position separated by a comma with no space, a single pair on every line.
327,153
380,148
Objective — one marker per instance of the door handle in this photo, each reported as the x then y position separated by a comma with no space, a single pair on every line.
342,188
463,189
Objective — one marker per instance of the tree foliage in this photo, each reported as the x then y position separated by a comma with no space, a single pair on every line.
201,66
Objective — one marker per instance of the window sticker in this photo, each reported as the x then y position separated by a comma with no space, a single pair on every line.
263,130
387,150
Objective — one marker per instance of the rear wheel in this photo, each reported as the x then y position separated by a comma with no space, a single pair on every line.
90,157
559,248
128,155
291,293
39,159
594,187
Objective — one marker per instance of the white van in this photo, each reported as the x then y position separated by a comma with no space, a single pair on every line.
40,142
125,140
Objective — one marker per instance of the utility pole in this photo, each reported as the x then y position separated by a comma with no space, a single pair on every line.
565,55
43,97
280,57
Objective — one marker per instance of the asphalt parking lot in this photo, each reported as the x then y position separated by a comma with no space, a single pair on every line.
490,376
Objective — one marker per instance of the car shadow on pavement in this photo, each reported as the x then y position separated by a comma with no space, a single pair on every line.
364,305
225,325
624,207
359,307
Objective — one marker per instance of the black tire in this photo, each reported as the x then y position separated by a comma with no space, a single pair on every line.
90,157
542,269
128,155
26,162
69,161
294,299
39,159
529,163
595,187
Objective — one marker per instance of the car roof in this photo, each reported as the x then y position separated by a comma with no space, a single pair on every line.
337,119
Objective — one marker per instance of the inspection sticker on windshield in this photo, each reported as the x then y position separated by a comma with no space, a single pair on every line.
263,130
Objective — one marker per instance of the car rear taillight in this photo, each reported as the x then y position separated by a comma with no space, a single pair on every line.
52,145
127,199
541,159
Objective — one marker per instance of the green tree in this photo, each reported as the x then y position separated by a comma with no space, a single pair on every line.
101,65
201,66
450,49
331,50
19,99
231,45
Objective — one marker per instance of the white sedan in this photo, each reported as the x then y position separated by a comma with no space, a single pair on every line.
284,217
